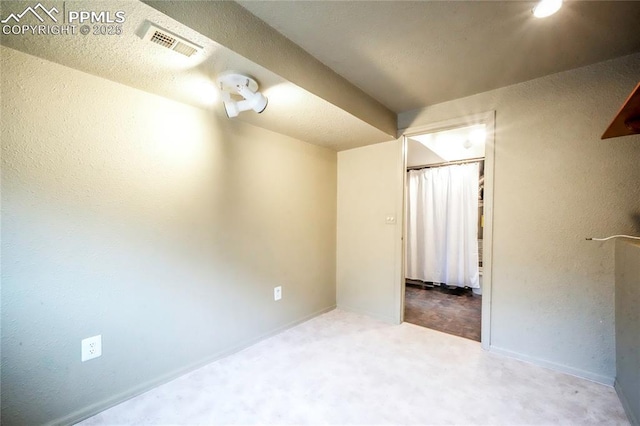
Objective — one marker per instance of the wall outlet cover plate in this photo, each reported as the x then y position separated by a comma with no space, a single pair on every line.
91,347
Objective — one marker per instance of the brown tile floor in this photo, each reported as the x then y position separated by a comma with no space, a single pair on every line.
454,312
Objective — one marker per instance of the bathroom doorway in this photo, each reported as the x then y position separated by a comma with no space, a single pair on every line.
446,227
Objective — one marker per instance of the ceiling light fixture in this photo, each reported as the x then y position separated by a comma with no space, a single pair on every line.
244,86
478,136
546,8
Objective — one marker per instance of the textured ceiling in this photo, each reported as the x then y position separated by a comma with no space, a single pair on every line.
129,60
409,55
336,72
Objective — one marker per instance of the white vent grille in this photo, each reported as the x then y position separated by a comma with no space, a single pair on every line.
162,39
184,48
169,40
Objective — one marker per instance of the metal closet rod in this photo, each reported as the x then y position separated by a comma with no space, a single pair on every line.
448,163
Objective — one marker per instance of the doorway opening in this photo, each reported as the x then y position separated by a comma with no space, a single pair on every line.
448,196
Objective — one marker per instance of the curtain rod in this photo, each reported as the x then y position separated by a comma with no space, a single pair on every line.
448,163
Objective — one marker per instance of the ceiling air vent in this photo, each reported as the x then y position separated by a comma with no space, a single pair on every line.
167,39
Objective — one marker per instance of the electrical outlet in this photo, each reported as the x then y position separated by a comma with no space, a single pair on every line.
91,347
277,293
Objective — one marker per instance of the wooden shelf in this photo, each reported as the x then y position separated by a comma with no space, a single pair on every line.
627,120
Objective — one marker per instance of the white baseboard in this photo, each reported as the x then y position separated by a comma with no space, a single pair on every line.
98,407
367,313
583,374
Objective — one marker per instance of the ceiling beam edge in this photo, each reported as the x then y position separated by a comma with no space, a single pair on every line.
232,26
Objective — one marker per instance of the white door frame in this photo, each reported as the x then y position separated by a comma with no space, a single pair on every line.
488,119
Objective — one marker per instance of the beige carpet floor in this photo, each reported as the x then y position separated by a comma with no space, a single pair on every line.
341,368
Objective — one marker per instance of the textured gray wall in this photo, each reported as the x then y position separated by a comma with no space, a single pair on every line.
556,183
369,265
628,327
153,223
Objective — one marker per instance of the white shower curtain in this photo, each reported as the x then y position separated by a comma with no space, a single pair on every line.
442,225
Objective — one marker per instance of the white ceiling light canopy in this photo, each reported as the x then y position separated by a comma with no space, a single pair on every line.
546,8
232,83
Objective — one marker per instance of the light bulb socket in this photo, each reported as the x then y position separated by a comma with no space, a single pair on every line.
261,103
231,108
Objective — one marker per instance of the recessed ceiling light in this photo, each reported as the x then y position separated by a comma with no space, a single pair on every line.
478,136
546,8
